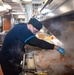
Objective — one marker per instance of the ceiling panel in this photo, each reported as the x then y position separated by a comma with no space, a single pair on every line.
66,7
7,0
15,6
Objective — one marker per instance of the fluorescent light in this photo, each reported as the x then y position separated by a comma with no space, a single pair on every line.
50,14
21,16
45,11
18,13
2,8
27,0
64,9
16,1
7,6
39,9
45,1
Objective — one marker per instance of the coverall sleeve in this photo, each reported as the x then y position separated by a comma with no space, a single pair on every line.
40,43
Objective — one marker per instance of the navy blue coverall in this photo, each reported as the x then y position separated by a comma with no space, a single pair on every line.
13,48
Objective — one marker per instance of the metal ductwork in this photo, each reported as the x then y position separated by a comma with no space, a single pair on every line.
58,8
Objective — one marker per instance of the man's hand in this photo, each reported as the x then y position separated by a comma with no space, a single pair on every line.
61,50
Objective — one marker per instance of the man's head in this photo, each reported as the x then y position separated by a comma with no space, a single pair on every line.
35,23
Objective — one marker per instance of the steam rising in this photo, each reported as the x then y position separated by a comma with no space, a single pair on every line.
50,60
64,31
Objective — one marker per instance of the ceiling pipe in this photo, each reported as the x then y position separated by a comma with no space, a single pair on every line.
28,12
48,2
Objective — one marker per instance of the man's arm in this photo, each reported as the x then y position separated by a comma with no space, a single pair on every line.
45,45
41,43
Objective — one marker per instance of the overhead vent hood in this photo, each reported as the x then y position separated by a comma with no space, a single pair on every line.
57,8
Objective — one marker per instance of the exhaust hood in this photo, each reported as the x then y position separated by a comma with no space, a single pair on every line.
57,8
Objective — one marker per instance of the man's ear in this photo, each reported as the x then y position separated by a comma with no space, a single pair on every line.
30,27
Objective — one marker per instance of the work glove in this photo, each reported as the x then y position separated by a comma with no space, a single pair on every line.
61,50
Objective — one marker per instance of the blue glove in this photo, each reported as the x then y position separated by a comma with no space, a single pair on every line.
61,50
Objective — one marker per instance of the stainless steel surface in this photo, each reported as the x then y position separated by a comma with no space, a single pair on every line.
48,2
58,25
67,6
58,8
